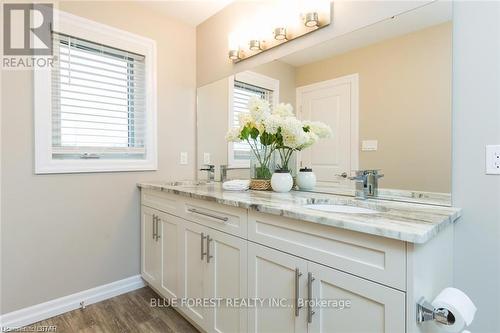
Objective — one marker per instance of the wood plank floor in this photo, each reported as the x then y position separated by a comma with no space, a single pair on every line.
129,312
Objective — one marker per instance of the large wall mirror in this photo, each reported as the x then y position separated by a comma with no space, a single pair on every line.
385,90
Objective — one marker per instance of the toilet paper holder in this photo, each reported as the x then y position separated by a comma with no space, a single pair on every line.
427,312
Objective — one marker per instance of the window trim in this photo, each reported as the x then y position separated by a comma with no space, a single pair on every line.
100,33
255,79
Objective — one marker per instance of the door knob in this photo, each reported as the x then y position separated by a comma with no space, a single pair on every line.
343,175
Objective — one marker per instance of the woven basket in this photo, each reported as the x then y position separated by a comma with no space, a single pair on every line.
260,184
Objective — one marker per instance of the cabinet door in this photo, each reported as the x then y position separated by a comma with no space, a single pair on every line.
273,275
150,247
227,280
373,307
195,273
170,232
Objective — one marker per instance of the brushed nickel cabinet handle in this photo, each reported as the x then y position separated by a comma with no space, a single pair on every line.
310,312
298,274
208,249
154,226
158,236
220,218
202,244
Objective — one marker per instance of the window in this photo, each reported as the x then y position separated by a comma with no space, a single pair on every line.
99,108
98,105
244,86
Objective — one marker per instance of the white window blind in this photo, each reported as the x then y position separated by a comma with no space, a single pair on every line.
98,101
242,93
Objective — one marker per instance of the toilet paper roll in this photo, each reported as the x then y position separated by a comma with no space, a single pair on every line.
460,306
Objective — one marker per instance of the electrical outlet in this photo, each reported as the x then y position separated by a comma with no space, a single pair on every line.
493,160
206,158
184,158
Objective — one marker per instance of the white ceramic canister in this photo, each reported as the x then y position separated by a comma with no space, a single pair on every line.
306,179
281,181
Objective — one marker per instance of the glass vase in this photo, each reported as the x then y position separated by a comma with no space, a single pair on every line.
262,167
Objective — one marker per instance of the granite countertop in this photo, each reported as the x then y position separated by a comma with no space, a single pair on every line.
411,222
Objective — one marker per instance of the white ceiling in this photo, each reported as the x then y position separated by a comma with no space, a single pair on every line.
192,12
426,16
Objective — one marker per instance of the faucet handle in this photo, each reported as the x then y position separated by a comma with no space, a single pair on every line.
359,175
207,167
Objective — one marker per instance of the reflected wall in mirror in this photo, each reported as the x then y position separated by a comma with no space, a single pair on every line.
385,90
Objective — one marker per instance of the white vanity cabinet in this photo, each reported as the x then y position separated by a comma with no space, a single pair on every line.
373,308
150,247
215,267
194,249
160,251
357,305
276,275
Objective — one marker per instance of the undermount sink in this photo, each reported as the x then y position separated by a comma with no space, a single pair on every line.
331,208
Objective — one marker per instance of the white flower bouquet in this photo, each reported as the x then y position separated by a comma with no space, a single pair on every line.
252,130
267,131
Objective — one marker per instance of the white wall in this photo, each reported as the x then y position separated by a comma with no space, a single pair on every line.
476,122
62,234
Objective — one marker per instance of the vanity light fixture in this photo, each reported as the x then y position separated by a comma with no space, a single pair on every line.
255,45
280,33
276,23
311,19
234,55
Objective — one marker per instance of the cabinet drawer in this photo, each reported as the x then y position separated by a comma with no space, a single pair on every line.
165,202
232,220
375,258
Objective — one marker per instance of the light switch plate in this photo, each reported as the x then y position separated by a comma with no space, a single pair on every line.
184,158
369,145
493,160
206,158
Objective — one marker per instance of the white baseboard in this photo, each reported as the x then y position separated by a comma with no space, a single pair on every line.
64,304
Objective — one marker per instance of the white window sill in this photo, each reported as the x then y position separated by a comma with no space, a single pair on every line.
86,166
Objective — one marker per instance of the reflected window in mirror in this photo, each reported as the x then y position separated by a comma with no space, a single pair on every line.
243,87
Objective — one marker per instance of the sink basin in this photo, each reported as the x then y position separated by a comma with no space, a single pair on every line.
341,209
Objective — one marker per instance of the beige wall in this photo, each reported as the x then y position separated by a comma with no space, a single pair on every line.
212,63
62,234
213,117
405,104
283,72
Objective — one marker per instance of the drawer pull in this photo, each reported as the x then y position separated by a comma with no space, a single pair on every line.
298,274
220,218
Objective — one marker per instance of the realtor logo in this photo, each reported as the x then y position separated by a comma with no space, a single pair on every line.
27,29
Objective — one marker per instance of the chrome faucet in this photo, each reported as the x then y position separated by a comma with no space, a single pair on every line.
223,171
210,169
366,183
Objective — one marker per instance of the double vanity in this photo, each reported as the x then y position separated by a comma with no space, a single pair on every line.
372,259
385,92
